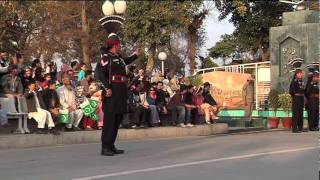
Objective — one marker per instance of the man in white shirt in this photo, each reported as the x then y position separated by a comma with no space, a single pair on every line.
68,102
36,110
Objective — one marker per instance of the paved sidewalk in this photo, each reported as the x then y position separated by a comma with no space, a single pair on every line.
36,140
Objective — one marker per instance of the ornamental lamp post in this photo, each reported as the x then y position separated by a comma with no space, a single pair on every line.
162,56
113,12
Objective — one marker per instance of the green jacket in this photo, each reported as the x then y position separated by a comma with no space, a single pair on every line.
9,87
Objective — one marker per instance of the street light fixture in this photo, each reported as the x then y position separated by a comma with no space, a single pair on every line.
162,56
113,12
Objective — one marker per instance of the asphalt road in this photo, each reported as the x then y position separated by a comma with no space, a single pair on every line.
257,156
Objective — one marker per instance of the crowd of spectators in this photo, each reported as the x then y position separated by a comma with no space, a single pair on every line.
49,94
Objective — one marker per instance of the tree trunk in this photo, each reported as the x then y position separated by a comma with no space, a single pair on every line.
85,42
193,51
151,60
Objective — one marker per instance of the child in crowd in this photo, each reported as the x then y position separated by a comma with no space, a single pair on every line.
94,90
83,71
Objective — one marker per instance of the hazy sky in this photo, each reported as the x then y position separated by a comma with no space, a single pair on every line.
214,29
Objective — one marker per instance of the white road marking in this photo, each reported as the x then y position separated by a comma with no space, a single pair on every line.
195,163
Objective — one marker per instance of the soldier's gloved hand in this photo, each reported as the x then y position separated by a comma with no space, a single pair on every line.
108,92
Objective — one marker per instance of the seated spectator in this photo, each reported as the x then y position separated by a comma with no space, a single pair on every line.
199,100
67,97
140,112
83,71
151,103
36,110
4,63
161,98
11,83
3,118
189,104
26,78
51,101
177,107
209,106
85,83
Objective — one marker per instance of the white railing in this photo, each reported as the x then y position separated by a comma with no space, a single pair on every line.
237,68
240,68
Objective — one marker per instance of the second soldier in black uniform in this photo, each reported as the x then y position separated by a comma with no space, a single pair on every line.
111,71
312,94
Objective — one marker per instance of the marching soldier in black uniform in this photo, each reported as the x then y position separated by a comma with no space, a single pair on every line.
297,93
312,94
111,71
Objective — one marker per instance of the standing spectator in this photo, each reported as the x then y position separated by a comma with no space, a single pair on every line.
64,69
67,97
167,88
85,83
45,83
71,74
51,68
11,83
209,106
83,71
37,69
27,77
75,66
141,75
161,97
248,96
130,74
4,63
19,61
177,107
51,101
36,110
190,105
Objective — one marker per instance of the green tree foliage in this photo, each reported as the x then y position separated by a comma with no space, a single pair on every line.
151,24
252,20
42,28
224,48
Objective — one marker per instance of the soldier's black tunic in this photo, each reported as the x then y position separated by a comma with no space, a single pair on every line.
114,107
297,93
312,94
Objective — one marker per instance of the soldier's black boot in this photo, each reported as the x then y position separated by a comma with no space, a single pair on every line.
107,152
117,151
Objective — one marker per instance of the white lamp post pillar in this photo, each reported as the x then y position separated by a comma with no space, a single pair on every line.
162,56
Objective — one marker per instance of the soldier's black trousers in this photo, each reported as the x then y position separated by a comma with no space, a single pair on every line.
111,123
297,113
313,113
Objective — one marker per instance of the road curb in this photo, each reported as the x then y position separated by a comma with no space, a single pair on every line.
254,129
37,140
